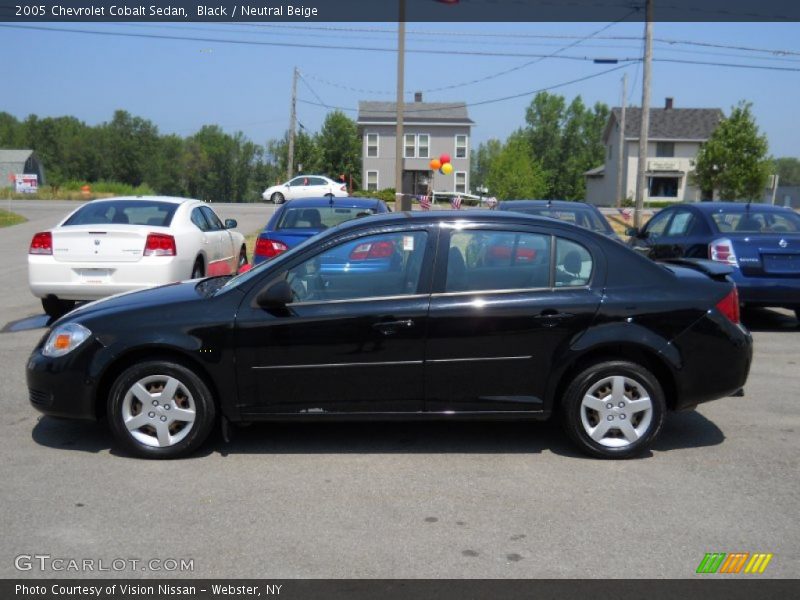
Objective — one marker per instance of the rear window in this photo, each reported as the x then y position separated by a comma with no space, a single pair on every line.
125,212
320,218
755,221
583,218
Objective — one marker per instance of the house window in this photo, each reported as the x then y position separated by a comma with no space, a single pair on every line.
372,180
461,146
372,145
665,149
423,143
461,182
410,146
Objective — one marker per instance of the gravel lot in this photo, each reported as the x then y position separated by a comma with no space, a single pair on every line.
488,500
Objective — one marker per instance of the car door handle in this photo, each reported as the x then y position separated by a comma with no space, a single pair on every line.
392,327
549,318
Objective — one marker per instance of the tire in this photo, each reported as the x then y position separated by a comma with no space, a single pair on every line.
197,270
148,425
55,307
242,259
597,413
277,198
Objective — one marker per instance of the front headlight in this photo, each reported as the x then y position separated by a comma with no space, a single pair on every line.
64,339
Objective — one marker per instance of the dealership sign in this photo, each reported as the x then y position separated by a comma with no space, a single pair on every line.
26,184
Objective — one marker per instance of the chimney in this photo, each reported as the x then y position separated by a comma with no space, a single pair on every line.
668,103
417,96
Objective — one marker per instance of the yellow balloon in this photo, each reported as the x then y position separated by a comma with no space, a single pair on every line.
447,168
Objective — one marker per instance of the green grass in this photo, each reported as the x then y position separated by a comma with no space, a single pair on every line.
71,190
9,218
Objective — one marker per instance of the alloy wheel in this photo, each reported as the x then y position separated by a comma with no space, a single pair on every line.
158,411
616,411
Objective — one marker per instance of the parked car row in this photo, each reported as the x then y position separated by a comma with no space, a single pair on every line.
354,313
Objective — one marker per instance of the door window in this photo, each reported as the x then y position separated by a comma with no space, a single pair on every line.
657,224
573,264
213,220
681,223
387,264
199,220
497,260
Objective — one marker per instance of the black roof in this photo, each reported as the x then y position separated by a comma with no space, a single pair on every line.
566,204
669,123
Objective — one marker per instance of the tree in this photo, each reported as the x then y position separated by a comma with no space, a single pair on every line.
339,146
734,159
566,141
481,162
788,170
306,153
513,175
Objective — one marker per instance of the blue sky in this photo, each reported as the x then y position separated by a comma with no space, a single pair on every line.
181,85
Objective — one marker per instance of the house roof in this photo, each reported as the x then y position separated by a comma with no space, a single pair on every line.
427,112
668,123
14,156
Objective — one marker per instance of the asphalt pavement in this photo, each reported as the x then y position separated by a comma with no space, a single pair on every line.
455,500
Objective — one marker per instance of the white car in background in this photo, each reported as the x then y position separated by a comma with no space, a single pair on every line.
116,245
305,186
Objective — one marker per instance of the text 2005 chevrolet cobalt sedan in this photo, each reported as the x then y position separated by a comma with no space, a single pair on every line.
407,316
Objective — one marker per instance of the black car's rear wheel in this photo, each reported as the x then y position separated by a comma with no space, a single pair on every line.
613,409
160,410
55,307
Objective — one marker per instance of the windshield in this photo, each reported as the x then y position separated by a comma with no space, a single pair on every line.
124,212
583,218
322,217
755,221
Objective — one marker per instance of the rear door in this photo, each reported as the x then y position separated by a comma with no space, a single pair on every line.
506,300
220,245
685,236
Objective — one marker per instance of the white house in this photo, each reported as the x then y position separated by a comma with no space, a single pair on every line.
675,138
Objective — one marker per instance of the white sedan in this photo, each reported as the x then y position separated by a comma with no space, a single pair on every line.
117,245
305,186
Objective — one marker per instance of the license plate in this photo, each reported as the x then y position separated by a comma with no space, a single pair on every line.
94,276
781,263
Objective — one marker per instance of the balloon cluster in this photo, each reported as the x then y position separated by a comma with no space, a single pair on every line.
442,164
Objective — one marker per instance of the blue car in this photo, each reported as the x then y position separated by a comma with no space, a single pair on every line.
297,220
761,242
578,213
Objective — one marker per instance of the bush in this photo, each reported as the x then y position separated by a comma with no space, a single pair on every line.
386,195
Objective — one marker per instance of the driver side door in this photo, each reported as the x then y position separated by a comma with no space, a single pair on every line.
353,338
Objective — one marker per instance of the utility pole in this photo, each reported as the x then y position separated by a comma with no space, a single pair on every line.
621,187
398,147
641,179
292,127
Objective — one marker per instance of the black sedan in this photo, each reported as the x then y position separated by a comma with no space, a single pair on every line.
578,213
760,242
425,315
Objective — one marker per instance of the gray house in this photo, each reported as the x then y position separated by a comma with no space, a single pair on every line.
430,129
19,162
675,138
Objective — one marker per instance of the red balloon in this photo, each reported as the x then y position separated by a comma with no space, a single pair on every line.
444,159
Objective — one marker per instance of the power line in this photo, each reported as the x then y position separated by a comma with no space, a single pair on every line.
291,44
308,85
483,102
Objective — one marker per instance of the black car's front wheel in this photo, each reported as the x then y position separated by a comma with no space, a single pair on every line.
613,409
160,410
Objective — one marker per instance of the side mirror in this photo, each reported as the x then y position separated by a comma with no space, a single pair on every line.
230,223
278,295
632,232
